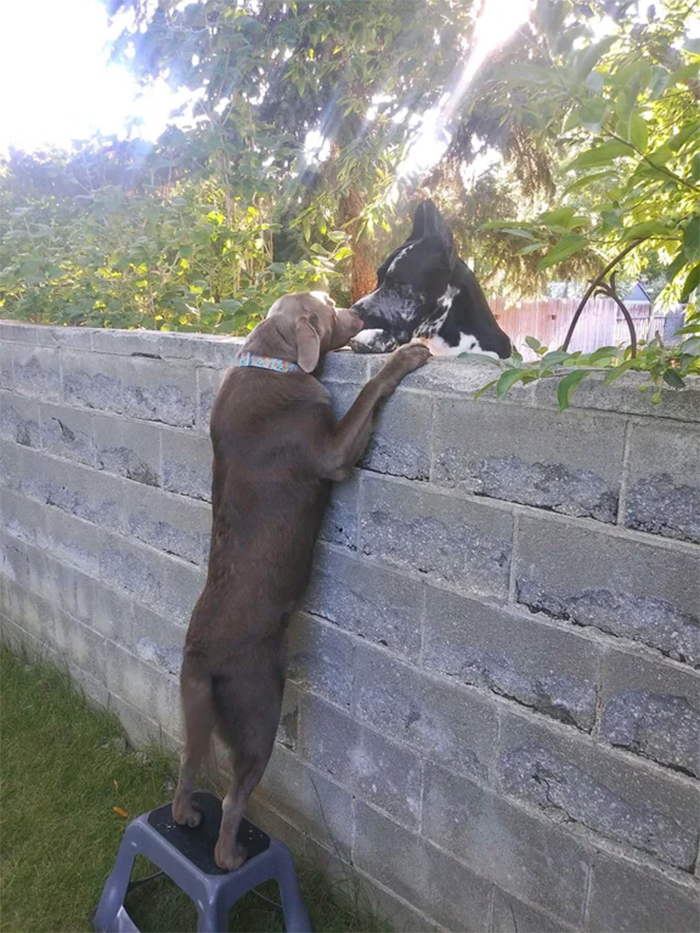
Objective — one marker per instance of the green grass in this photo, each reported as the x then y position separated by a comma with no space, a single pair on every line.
64,767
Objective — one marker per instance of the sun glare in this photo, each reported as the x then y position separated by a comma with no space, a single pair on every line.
56,82
495,24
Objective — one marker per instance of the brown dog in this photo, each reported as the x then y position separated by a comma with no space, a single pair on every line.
277,449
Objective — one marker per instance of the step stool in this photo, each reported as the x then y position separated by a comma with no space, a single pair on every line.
187,856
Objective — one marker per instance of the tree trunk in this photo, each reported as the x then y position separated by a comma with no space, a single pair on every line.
363,276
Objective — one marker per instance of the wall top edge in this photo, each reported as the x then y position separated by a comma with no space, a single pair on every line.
442,376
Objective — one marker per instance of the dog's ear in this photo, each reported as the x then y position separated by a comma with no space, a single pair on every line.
428,221
308,343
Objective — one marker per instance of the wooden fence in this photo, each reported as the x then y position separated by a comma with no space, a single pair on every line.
600,325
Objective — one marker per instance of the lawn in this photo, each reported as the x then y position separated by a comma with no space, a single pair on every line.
66,778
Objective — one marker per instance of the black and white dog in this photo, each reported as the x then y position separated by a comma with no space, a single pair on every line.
425,292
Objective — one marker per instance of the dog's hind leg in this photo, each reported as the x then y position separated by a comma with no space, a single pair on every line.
199,714
249,729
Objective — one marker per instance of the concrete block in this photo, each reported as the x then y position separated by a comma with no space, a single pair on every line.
187,464
663,495
624,396
463,543
288,730
320,659
140,728
340,522
67,433
69,337
449,376
628,898
74,541
367,764
208,382
158,391
92,380
128,448
103,609
144,343
569,463
7,380
23,518
526,856
157,640
308,800
37,372
421,874
75,489
651,708
367,601
17,332
170,587
89,686
57,583
344,366
549,670
80,645
171,524
151,692
513,916
29,612
450,723
19,420
573,780
400,444
11,464
630,589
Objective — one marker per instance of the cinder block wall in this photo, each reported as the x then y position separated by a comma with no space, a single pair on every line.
493,709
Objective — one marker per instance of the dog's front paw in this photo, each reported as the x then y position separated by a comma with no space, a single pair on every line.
228,860
373,340
411,356
185,813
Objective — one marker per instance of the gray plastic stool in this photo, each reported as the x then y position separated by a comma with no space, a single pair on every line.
187,856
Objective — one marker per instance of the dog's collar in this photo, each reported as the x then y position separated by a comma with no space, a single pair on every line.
267,362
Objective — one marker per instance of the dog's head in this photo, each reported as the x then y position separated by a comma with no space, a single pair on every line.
425,290
308,324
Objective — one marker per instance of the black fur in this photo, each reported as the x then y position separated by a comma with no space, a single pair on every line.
424,290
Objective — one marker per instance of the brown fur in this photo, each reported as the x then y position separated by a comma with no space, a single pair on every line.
277,449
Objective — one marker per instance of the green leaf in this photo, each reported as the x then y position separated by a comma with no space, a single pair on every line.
603,353
591,114
691,283
567,385
691,240
695,167
588,57
507,380
481,359
673,379
639,132
533,343
683,135
562,217
587,180
553,358
604,154
691,346
484,388
679,262
618,371
565,248
648,228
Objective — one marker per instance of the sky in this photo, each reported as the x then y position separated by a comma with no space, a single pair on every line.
55,81
57,85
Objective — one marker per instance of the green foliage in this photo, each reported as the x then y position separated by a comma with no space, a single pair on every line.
179,256
664,366
625,109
